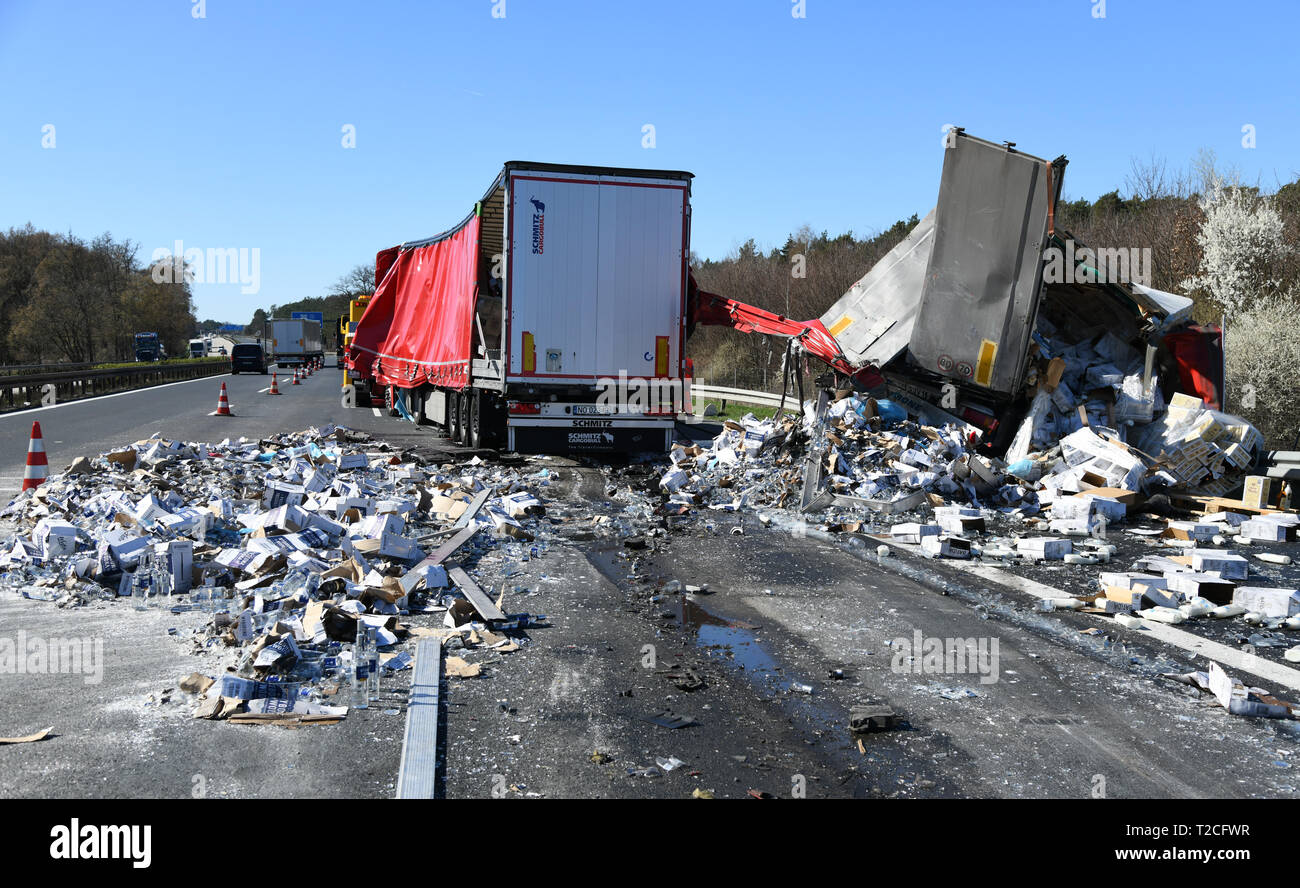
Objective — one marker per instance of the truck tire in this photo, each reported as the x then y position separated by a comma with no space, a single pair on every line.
390,400
492,421
463,423
474,437
421,408
453,416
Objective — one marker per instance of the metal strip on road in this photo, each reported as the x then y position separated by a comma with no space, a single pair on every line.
417,775
1163,632
413,577
441,553
477,597
472,512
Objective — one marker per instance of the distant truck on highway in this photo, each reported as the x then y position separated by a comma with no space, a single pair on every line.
296,341
198,348
148,347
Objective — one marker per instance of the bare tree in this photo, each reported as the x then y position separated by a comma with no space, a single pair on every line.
360,281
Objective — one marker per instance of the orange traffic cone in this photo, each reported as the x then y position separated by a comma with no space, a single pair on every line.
307,369
34,475
223,404
275,388
295,377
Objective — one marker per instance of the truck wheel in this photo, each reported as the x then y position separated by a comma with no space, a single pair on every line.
453,416
463,423
475,436
492,420
421,406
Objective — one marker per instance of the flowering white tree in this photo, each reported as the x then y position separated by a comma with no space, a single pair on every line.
1242,246
1262,353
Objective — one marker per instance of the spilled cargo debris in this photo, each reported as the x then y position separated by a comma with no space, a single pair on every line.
305,552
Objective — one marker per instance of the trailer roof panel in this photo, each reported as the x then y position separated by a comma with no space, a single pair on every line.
586,170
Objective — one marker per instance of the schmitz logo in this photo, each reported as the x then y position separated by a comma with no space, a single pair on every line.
591,439
91,842
539,225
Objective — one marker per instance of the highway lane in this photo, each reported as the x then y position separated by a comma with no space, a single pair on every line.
181,410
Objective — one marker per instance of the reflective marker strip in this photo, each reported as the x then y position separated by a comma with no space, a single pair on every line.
841,325
530,353
661,356
416,775
984,367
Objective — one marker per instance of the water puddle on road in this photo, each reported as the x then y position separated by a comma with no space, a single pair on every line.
734,646
730,640
727,641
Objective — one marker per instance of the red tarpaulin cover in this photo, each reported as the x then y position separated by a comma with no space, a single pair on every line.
418,327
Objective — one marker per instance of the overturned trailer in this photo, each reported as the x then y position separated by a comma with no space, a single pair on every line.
956,323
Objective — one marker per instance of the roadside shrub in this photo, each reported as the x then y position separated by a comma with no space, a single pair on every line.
1262,351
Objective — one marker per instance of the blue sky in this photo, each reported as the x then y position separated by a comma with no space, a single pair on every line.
225,131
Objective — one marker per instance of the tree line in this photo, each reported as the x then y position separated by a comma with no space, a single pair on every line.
63,298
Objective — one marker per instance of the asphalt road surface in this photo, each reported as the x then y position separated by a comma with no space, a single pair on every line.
791,633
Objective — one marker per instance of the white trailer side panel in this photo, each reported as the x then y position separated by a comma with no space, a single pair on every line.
595,276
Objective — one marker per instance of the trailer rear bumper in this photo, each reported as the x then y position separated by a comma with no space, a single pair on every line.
544,435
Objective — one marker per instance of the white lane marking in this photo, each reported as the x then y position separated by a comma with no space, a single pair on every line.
1171,635
375,410
151,388
264,391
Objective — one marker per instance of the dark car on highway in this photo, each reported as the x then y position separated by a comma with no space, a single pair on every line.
248,356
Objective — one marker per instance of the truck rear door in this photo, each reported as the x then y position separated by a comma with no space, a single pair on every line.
596,275
983,282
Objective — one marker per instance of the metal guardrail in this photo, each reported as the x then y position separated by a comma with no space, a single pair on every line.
25,369
742,396
43,389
